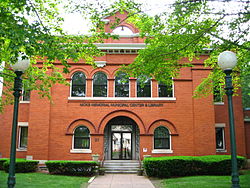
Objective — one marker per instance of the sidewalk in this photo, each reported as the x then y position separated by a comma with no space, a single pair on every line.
121,181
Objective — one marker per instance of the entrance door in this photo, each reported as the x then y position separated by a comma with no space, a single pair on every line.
121,145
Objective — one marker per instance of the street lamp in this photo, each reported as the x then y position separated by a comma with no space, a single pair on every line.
19,68
227,61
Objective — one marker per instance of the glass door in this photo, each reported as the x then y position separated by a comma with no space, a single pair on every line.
121,145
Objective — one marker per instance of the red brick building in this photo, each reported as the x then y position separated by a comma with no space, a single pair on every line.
100,114
247,131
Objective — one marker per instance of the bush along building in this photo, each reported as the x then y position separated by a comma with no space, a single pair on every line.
105,115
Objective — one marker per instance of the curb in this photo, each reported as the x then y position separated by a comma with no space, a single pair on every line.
91,179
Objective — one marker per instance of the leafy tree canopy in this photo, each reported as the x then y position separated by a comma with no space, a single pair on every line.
184,29
35,28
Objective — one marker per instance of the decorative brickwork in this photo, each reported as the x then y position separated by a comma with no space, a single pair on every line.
190,122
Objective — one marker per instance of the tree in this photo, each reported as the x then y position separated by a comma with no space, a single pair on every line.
184,30
34,27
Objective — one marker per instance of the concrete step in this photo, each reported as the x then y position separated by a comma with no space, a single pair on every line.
121,172
42,168
121,166
121,161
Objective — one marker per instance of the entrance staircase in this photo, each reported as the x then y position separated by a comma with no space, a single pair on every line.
121,166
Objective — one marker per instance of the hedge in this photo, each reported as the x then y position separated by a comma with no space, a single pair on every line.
2,160
72,168
176,166
22,165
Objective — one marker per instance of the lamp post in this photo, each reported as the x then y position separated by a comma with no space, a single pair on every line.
227,61
19,68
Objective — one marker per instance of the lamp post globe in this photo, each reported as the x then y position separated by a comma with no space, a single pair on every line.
19,68
22,63
227,60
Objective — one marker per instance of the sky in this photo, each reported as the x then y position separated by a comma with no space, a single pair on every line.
1,79
75,23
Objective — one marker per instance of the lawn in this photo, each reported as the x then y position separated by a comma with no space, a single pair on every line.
42,180
205,181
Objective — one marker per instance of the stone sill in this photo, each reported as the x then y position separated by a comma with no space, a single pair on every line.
219,103
80,151
221,150
162,151
21,149
24,102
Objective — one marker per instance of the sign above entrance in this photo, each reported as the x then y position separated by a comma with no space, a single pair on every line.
122,104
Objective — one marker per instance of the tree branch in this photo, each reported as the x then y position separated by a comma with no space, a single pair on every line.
195,39
231,42
34,8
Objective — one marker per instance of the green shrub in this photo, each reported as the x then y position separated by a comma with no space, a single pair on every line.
175,166
2,160
219,164
72,168
22,165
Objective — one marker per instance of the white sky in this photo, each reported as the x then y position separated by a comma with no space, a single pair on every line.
1,79
75,23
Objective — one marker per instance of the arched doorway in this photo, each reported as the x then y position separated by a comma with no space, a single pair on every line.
121,139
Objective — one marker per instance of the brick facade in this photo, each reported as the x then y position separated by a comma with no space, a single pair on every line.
191,122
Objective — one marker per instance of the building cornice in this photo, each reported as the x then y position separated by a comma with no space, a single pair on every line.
119,46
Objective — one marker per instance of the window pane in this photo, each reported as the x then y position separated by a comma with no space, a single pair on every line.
85,143
162,143
165,90
23,137
81,138
100,85
121,85
220,138
78,79
121,128
78,85
218,94
26,95
81,143
78,91
144,90
81,131
161,138
161,132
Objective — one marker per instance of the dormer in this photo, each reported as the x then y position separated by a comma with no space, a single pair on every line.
124,29
127,32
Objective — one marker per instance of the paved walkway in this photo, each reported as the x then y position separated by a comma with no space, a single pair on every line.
121,181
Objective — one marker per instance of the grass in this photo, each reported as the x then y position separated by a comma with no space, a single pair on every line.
42,180
205,181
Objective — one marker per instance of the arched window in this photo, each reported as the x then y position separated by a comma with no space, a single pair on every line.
78,85
144,87
161,138
165,90
81,138
121,85
100,85
122,30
